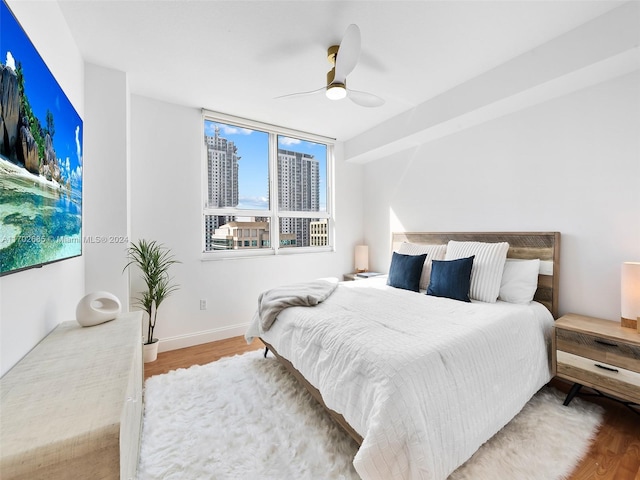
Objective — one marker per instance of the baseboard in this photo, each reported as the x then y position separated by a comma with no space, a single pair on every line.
183,341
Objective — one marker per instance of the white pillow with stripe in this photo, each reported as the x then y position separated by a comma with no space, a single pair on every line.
434,252
488,266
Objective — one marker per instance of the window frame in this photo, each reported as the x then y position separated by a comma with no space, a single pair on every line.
273,213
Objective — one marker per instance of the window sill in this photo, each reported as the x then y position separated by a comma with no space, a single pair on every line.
264,252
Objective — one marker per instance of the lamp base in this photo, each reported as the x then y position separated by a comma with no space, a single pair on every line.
630,323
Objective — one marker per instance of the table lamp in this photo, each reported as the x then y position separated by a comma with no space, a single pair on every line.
362,258
630,295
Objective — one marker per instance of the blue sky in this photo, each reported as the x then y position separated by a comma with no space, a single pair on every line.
253,172
44,93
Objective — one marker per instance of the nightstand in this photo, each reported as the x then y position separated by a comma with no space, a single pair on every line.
599,354
350,277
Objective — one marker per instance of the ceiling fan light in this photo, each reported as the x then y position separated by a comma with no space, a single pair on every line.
336,91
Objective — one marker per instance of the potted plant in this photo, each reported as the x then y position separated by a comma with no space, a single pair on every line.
153,259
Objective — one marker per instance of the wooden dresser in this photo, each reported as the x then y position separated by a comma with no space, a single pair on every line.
72,407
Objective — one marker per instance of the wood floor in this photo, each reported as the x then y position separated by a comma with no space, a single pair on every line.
614,454
198,355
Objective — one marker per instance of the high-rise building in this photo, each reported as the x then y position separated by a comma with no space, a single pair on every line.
298,190
222,181
222,177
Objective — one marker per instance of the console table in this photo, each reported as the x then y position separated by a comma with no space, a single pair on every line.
72,407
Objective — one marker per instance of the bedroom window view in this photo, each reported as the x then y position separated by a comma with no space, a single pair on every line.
243,201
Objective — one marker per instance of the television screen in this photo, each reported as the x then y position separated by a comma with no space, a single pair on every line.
40,158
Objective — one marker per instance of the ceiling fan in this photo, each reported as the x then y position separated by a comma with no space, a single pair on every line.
344,58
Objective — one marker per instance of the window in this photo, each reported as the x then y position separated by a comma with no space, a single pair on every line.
266,183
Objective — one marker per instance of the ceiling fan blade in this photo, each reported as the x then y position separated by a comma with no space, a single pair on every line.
348,53
302,94
365,99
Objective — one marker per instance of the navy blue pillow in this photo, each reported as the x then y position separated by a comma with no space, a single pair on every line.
405,271
451,278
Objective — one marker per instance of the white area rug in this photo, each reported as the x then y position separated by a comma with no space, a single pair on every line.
245,417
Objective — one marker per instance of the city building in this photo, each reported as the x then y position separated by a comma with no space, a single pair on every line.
222,164
246,234
222,181
298,190
237,235
319,232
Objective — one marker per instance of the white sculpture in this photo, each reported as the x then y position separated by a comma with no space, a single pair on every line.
96,308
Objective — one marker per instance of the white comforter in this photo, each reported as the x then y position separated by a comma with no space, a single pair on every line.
425,380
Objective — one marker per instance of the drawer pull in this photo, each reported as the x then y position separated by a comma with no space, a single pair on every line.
608,344
606,368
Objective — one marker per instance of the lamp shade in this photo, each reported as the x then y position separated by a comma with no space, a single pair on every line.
630,291
362,258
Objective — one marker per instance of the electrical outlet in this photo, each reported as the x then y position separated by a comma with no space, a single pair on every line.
203,304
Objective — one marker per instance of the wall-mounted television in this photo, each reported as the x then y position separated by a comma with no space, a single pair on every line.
40,158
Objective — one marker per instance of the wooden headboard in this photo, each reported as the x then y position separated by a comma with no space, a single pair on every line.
522,245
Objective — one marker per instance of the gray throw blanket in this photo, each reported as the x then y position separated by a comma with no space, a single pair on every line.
307,294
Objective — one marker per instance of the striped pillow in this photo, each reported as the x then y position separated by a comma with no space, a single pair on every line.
434,252
488,266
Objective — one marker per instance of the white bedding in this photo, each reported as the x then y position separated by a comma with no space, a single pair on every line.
424,380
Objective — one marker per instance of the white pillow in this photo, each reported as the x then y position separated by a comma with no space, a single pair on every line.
434,252
488,265
519,280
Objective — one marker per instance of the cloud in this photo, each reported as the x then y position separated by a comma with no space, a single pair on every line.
76,176
65,167
78,146
288,141
11,62
210,128
231,130
253,203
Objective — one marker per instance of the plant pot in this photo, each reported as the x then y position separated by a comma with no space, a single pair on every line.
150,351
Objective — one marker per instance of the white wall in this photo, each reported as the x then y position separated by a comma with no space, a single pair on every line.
106,180
166,161
570,165
33,302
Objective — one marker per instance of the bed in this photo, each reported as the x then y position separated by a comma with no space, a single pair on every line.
422,381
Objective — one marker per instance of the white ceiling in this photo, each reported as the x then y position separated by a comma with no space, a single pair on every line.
236,56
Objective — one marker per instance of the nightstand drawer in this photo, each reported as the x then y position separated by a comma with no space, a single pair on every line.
609,378
614,352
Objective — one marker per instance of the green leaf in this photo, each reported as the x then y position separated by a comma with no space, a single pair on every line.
153,260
